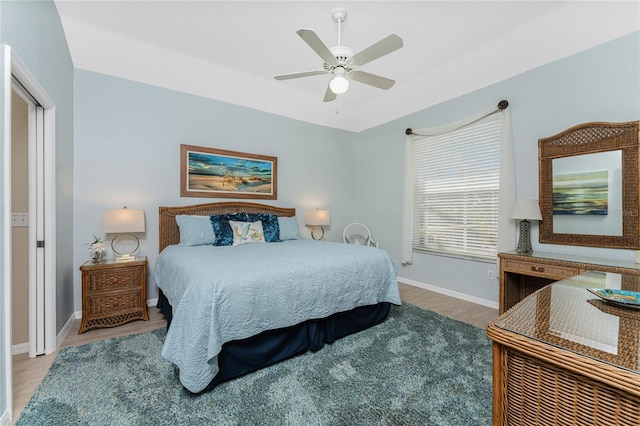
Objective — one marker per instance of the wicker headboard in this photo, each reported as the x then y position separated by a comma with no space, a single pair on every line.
170,234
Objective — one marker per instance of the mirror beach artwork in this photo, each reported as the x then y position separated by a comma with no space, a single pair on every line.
581,193
587,193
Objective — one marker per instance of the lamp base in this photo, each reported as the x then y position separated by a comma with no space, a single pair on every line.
125,258
129,249
313,232
524,240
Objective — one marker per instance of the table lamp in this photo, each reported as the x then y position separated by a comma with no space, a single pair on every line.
525,210
316,219
124,222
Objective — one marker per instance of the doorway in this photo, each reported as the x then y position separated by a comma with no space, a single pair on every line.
19,224
38,214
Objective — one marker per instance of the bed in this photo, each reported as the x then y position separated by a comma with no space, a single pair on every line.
234,309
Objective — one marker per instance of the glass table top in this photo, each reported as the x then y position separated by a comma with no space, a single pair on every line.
565,314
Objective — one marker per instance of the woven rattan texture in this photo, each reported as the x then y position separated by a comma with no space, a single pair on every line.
522,275
124,278
591,136
542,394
627,355
108,303
115,320
577,266
170,233
113,293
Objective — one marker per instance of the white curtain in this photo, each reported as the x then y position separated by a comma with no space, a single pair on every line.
506,229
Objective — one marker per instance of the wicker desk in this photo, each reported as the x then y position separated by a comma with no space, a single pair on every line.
521,275
564,357
113,293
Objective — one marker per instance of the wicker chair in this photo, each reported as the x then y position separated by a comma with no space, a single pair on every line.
359,234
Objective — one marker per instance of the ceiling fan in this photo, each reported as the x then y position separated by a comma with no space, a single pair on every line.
342,63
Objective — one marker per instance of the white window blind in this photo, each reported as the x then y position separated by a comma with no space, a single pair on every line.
456,191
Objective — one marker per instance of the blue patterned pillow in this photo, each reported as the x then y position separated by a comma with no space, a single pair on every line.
222,229
270,225
224,234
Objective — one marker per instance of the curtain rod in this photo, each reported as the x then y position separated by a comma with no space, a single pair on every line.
503,104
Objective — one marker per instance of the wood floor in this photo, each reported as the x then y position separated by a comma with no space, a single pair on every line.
29,372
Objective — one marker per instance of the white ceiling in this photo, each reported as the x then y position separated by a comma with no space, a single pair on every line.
230,50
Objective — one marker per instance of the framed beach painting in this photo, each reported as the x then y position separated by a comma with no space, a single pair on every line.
216,173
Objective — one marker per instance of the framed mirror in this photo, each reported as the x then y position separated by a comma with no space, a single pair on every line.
588,186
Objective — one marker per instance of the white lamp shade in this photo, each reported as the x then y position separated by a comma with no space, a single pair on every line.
526,209
122,221
316,217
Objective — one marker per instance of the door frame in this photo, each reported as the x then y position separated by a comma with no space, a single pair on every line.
42,261
5,238
13,67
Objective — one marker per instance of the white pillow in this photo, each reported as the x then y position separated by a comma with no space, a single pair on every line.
195,230
247,232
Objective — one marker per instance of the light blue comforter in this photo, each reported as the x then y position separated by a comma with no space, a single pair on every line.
227,293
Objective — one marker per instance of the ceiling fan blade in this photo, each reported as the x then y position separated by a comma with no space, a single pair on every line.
299,74
372,79
329,95
386,45
317,45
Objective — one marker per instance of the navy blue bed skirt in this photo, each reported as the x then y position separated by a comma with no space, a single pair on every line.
240,357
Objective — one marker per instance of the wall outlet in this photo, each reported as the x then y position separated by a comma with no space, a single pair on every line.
491,275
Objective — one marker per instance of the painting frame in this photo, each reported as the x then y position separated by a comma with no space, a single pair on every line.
225,174
581,140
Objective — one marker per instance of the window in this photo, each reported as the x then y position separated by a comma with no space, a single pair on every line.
456,191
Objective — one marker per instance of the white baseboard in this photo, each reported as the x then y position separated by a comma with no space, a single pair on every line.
20,348
4,419
24,347
447,292
65,330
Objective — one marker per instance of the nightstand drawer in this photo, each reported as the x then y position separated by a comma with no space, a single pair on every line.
113,302
540,269
114,279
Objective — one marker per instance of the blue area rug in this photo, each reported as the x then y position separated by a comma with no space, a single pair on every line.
416,368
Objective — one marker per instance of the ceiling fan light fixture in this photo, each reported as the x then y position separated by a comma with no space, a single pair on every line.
341,62
339,83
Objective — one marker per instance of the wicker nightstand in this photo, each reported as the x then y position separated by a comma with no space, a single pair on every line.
113,293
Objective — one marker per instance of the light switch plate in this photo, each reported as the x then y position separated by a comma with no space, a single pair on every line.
19,219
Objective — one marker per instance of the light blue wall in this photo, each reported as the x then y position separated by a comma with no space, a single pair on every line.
601,84
127,152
